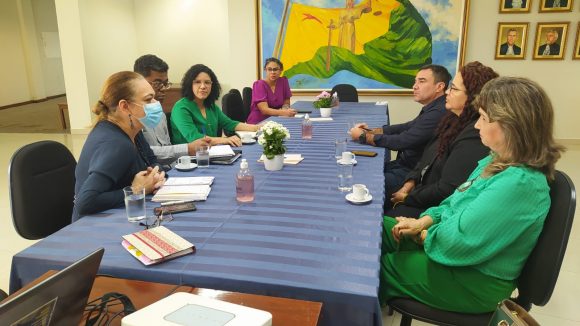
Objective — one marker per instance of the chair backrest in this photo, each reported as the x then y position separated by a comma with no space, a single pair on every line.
540,273
233,106
346,92
236,91
247,100
41,181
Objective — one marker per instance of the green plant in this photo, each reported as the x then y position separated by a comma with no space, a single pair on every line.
272,139
323,100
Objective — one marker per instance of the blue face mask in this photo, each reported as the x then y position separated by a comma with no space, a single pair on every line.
153,114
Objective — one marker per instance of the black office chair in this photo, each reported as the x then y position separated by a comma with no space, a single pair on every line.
539,275
235,91
346,92
41,181
247,100
3,295
233,107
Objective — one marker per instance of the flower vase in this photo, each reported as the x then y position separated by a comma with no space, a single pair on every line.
325,112
274,164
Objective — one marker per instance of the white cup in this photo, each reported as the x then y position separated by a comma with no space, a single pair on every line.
246,138
325,112
347,157
360,191
184,162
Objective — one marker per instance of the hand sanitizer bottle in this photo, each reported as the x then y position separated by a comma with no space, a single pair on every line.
244,183
306,127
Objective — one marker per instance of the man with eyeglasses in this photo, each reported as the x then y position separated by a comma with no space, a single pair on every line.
155,72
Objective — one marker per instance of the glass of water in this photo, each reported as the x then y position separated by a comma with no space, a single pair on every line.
135,203
202,156
344,177
339,146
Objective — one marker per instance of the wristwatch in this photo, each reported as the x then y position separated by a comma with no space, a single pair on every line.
362,138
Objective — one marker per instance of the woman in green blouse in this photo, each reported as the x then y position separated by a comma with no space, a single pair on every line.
196,115
466,254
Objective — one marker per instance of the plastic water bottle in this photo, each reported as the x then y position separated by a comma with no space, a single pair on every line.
306,128
244,183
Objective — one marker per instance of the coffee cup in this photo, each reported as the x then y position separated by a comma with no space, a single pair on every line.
184,162
360,191
347,157
246,138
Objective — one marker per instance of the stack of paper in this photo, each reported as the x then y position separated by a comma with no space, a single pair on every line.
186,188
292,159
221,151
320,119
155,245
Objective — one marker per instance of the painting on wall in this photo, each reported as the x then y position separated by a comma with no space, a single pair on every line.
376,45
550,41
576,54
511,41
555,5
514,6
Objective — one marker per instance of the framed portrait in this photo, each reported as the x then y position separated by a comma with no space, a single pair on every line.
377,46
511,41
556,5
550,43
514,6
576,54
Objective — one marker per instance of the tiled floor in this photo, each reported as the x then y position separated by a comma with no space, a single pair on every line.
562,309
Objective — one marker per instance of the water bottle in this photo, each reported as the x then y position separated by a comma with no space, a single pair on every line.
244,183
306,128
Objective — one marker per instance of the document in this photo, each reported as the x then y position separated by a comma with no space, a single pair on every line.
189,181
221,151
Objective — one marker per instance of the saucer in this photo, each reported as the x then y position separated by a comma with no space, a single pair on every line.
192,166
341,162
350,197
249,142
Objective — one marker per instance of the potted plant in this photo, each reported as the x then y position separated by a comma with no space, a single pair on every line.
272,138
325,101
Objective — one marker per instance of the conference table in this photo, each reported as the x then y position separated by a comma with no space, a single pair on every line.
299,238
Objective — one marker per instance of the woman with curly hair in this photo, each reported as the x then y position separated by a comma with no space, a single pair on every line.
196,115
449,158
466,254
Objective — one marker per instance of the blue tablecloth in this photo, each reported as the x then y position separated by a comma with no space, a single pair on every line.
299,239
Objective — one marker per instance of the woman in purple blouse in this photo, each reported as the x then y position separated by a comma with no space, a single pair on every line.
271,95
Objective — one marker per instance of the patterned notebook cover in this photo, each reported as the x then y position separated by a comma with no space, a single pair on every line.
155,245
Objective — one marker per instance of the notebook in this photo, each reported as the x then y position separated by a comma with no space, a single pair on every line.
58,300
156,245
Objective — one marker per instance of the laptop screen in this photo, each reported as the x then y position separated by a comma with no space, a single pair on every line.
58,300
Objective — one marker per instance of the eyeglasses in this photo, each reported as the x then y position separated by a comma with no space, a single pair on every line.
272,69
455,89
161,85
198,83
158,220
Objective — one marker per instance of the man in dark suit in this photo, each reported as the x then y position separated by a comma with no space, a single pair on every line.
556,3
509,47
551,47
509,4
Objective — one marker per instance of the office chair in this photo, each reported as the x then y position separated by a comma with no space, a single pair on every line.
235,91
41,184
233,107
3,295
539,275
346,92
247,100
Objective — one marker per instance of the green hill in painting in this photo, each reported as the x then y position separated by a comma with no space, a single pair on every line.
392,58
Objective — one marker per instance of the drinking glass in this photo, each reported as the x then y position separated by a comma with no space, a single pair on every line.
339,146
135,203
202,156
344,177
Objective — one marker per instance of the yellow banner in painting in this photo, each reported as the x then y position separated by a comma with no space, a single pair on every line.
309,28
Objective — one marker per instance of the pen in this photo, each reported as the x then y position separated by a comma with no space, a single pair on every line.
367,129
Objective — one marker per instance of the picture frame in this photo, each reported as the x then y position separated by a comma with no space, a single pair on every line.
515,6
511,41
576,53
554,33
316,49
549,5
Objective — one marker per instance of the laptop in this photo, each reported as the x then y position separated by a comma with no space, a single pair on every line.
57,300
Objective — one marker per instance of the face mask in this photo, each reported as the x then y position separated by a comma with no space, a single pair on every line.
153,113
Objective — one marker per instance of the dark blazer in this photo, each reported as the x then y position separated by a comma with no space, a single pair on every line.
508,4
554,49
504,47
437,177
410,138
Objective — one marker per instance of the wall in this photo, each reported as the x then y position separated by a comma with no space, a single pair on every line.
51,68
108,39
14,88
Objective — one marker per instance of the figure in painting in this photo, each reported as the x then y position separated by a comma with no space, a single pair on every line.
346,18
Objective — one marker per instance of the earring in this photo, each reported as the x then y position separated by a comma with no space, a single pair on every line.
130,121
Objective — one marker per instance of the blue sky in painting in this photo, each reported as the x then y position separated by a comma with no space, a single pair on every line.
435,13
